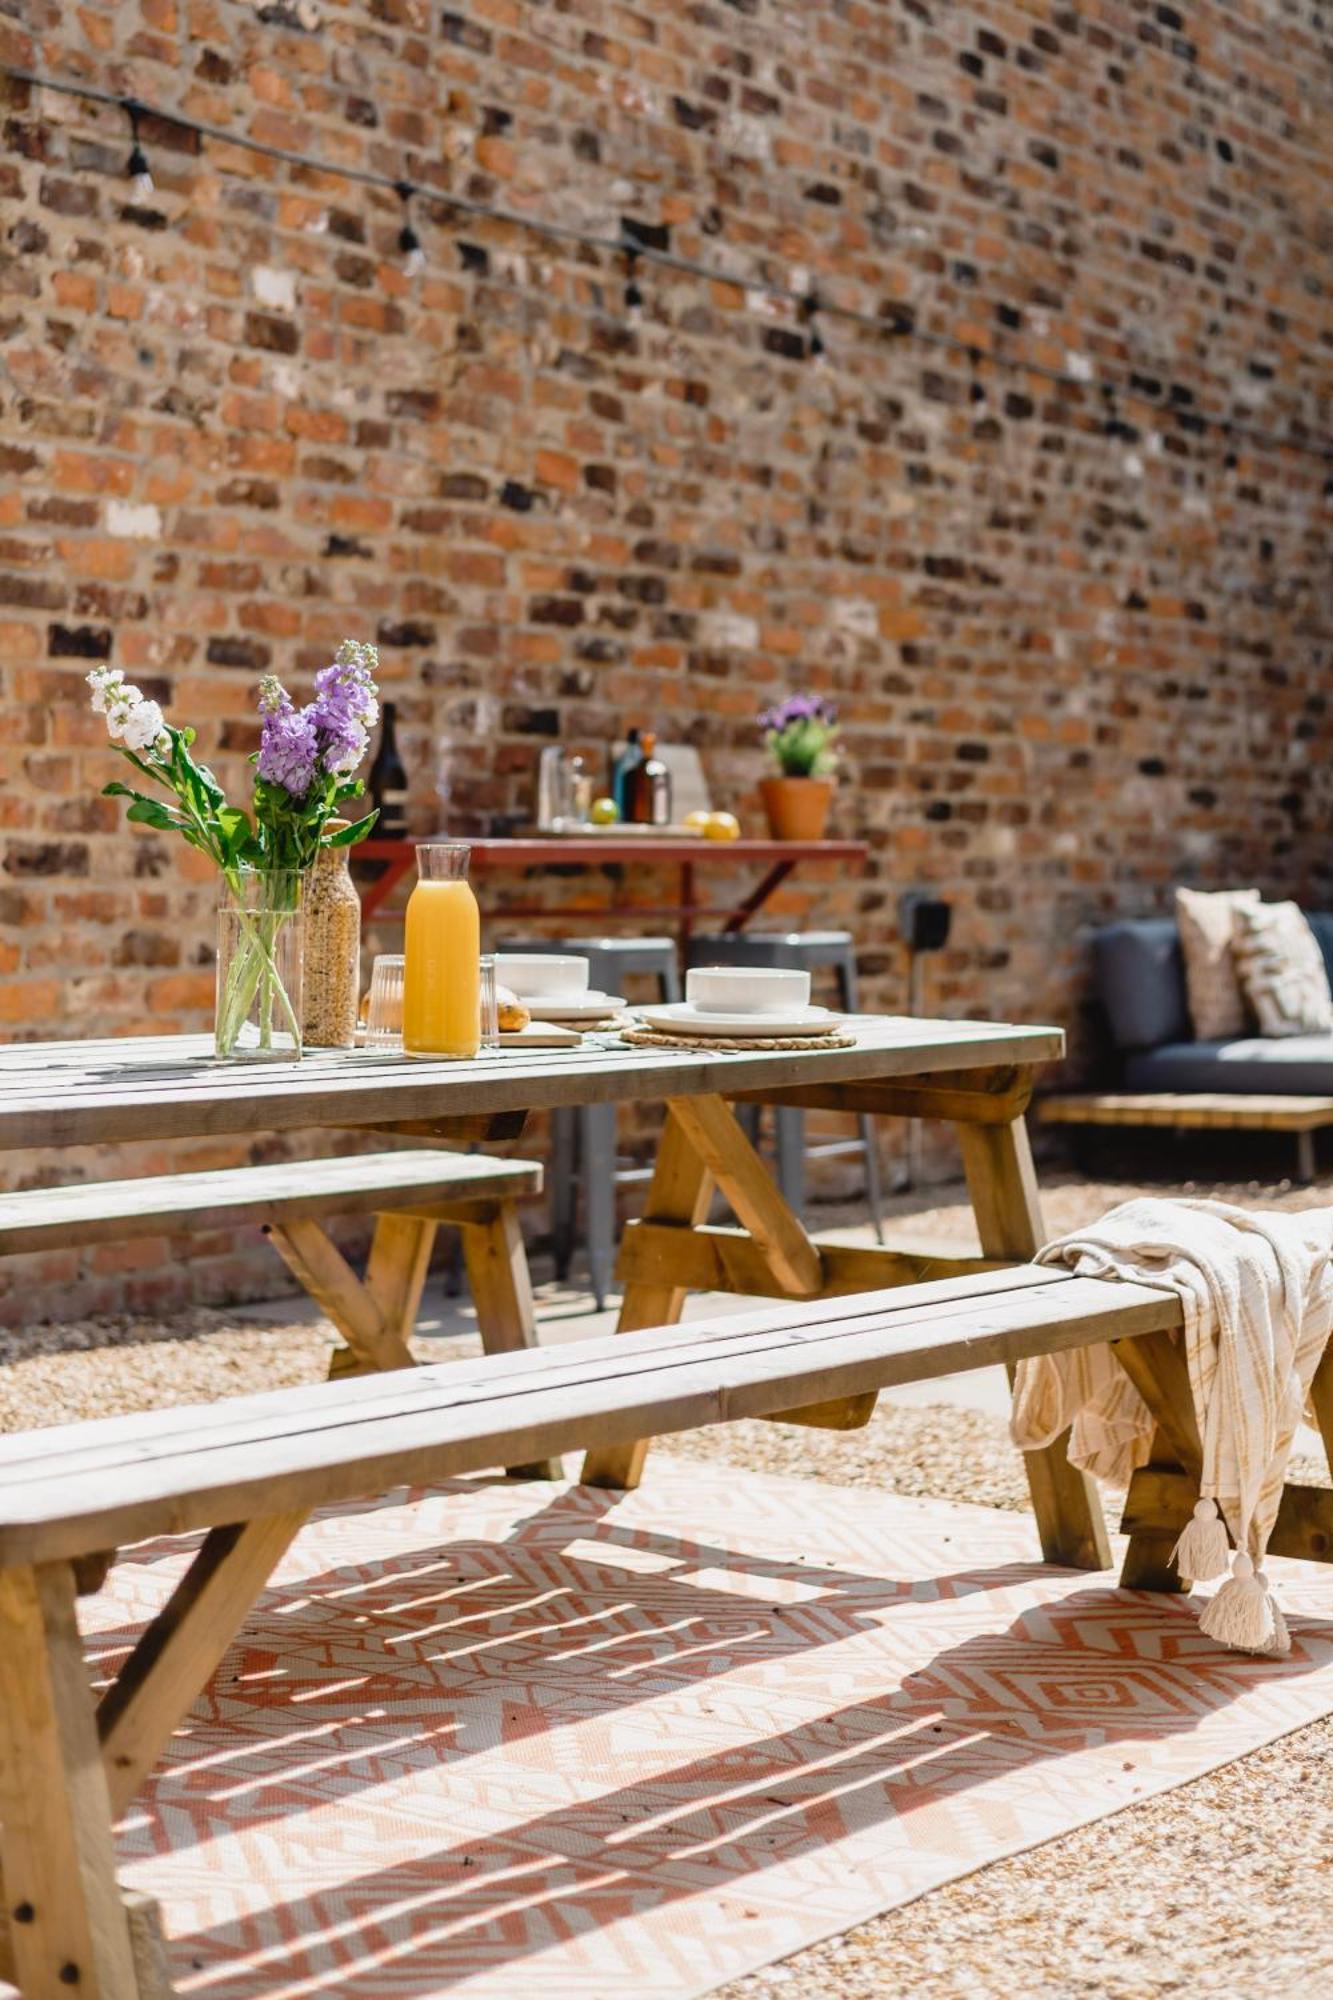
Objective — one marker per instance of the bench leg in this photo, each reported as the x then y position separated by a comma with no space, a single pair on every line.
1305,1161
1157,1367
180,1650
997,1160
69,1930
680,1192
497,1271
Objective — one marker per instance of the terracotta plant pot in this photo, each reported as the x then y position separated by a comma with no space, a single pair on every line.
797,808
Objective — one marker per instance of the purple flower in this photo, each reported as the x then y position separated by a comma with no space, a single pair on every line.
798,708
345,707
288,747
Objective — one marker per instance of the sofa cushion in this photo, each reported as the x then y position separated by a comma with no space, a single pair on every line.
1321,923
1296,1066
1141,982
1207,921
1282,970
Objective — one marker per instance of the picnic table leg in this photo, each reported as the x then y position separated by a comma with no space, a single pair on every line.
312,1256
680,1193
497,1271
997,1160
68,1928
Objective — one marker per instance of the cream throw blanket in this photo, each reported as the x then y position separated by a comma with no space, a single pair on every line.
1257,1293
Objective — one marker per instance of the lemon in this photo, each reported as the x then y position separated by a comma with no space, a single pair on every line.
697,822
722,826
604,812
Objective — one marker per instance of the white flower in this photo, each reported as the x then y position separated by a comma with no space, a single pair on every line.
104,682
143,726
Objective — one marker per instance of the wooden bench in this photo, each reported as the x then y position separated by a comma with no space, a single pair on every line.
1198,1111
410,1194
248,1471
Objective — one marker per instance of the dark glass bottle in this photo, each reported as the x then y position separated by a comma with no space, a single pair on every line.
648,787
387,783
620,770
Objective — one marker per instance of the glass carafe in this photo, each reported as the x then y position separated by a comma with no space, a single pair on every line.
442,950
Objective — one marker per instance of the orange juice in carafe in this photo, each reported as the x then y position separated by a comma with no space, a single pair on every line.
442,950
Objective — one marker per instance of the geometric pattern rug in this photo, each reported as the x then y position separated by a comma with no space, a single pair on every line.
510,1739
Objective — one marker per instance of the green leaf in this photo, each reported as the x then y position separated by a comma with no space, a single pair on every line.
347,836
147,812
233,825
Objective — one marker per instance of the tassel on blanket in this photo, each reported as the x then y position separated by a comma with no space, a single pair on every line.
1243,1614
1202,1551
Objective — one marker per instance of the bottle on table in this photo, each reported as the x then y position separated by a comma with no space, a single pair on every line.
620,770
648,787
442,954
386,782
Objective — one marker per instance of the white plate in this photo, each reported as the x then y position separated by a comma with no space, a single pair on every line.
681,1017
560,1008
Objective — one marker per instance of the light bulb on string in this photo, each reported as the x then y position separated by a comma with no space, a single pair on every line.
816,351
409,243
137,167
633,290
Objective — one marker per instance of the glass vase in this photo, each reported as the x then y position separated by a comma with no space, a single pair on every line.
260,960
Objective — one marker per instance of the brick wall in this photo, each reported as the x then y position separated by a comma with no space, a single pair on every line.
1082,647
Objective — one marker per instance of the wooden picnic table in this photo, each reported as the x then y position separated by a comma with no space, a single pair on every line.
976,1075
775,859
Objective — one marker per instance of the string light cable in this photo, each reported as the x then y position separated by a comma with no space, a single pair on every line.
646,243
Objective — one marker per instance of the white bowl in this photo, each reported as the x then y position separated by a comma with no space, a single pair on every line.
535,972
747,989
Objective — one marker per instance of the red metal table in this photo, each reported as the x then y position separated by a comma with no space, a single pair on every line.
776,858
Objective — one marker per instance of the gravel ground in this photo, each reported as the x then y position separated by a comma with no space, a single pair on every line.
1237,1903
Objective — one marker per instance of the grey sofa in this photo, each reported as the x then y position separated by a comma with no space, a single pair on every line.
1140,979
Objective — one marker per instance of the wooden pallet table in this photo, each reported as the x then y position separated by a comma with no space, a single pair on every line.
1198,1111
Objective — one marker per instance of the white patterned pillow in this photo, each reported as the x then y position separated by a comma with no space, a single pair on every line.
1282,970
1206,923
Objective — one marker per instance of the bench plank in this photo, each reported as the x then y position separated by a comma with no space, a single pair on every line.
117,1480
359,1184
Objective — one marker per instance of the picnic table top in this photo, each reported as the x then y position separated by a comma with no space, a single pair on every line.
170,1086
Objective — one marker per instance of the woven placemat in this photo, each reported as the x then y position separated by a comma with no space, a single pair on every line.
746,1045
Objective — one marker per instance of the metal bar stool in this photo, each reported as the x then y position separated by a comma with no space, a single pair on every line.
583,1139
832,953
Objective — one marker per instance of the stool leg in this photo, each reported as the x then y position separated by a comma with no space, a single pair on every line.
791,1158
564,1187
598,1122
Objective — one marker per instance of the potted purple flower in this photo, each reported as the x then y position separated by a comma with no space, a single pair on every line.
303,778
800,735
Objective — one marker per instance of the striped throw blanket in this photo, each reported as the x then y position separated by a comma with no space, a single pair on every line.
1257,1294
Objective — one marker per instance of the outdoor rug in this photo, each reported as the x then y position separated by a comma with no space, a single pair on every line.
523,1740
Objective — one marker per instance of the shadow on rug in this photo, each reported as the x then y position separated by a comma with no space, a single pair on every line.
552,1741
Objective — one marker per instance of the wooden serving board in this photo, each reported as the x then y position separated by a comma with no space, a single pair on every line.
540,1035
